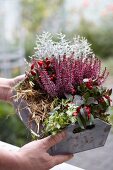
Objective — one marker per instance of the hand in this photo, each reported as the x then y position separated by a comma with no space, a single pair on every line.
34,156
6,86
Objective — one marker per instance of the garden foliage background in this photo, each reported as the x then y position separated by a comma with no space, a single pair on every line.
56,16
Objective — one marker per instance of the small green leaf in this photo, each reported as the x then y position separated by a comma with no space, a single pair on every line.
80,123
58,126
86,95
91,119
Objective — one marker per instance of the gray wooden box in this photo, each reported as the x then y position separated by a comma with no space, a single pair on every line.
75,142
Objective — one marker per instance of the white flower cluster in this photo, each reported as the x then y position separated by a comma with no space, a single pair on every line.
46,46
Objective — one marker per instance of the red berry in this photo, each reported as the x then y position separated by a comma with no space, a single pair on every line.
32,66
47,62
33,73
78,109
73,91
40,63
52,78
89,85
75,113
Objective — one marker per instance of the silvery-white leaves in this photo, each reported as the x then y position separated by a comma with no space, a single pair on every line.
62,46
81,47
46,46
27,65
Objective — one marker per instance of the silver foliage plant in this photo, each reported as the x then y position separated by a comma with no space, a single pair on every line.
46,46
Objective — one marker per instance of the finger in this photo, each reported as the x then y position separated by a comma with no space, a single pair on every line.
18,79
52,140
58,159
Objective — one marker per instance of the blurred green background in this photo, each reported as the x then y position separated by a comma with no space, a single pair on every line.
69,17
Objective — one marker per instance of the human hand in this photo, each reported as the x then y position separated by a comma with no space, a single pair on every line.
34,156
6,86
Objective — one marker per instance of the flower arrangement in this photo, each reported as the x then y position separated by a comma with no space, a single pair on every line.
63,85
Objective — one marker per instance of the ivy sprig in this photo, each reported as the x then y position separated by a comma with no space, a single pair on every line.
60,117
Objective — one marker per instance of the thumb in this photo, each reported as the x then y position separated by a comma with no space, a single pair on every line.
17,79
52,140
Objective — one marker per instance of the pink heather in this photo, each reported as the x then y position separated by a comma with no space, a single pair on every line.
69,73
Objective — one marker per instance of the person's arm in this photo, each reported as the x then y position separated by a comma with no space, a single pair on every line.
34,156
